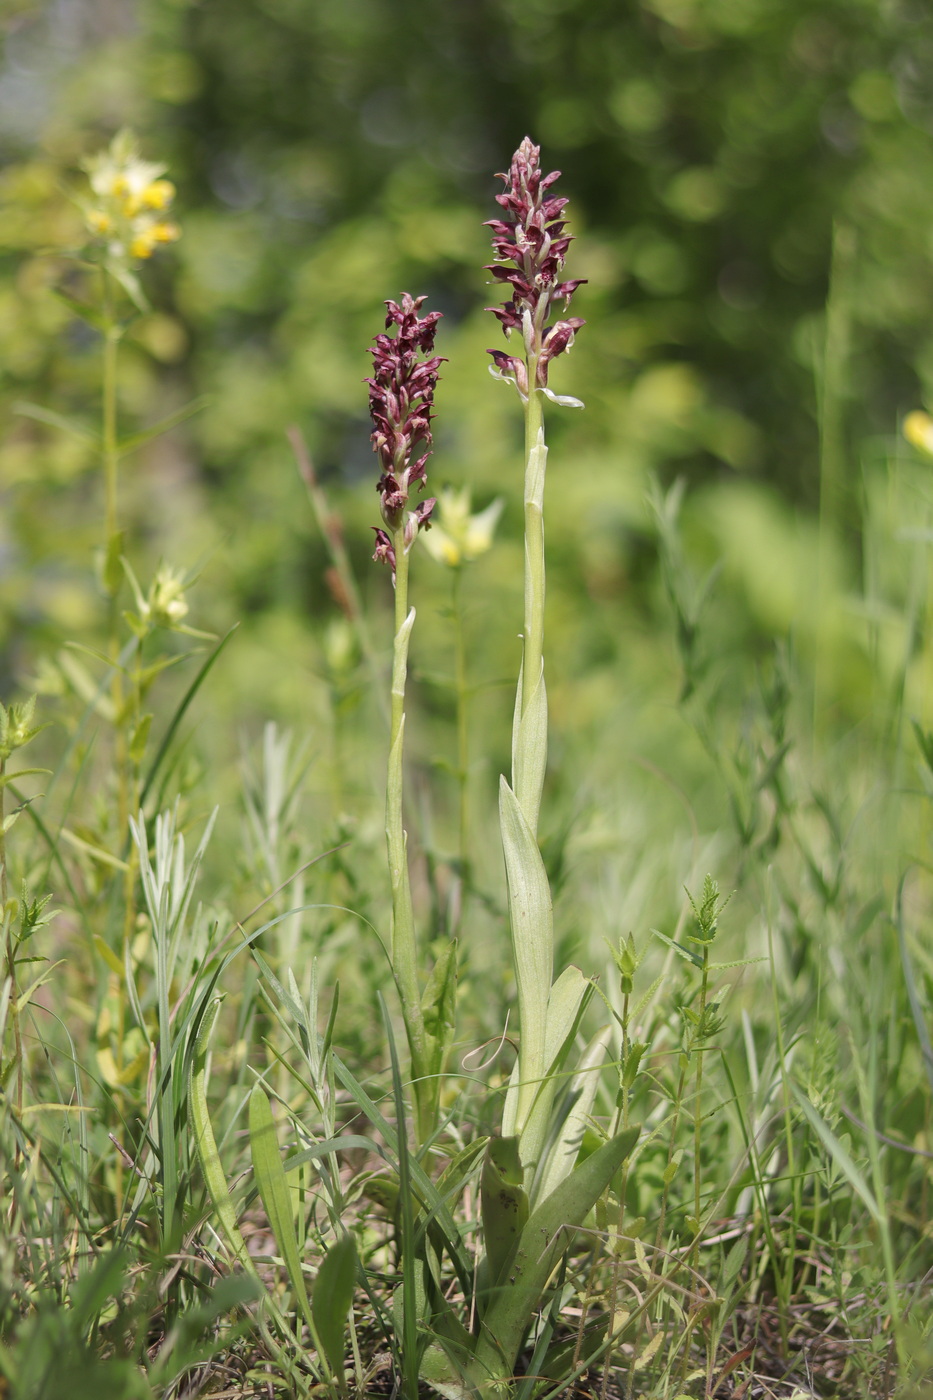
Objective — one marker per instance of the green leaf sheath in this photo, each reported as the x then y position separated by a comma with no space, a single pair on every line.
504,1203
518,1290
532,944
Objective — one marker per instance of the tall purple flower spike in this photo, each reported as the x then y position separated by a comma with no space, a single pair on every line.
530,245
401,403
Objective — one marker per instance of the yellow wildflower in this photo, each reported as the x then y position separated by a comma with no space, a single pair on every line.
130,195
456,536
158,195
918,430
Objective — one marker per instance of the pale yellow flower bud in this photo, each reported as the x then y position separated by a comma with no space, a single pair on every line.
457,536
165,605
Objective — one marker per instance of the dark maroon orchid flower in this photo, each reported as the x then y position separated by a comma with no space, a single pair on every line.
401,404
530,244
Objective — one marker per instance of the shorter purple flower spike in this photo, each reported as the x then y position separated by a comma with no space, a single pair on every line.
401,404
530,245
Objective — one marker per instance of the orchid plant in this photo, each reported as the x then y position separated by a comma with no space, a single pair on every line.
534,1192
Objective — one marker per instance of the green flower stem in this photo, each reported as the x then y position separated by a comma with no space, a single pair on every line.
111,566
463,732
530,746
112,577
112,335
403,949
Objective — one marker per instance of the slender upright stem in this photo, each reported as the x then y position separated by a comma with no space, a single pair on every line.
112,332
530,740
463,730
533,639
403,949
109,424
400,649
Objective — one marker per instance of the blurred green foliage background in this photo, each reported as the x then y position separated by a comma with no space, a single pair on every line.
729,162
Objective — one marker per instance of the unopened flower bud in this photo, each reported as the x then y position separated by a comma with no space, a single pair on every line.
165,605
16,726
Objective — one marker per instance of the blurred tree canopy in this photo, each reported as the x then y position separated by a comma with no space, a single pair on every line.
329,156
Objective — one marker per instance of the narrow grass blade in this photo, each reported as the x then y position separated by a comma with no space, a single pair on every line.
840,1156
206,1144
273,1189
180,713
427,1192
